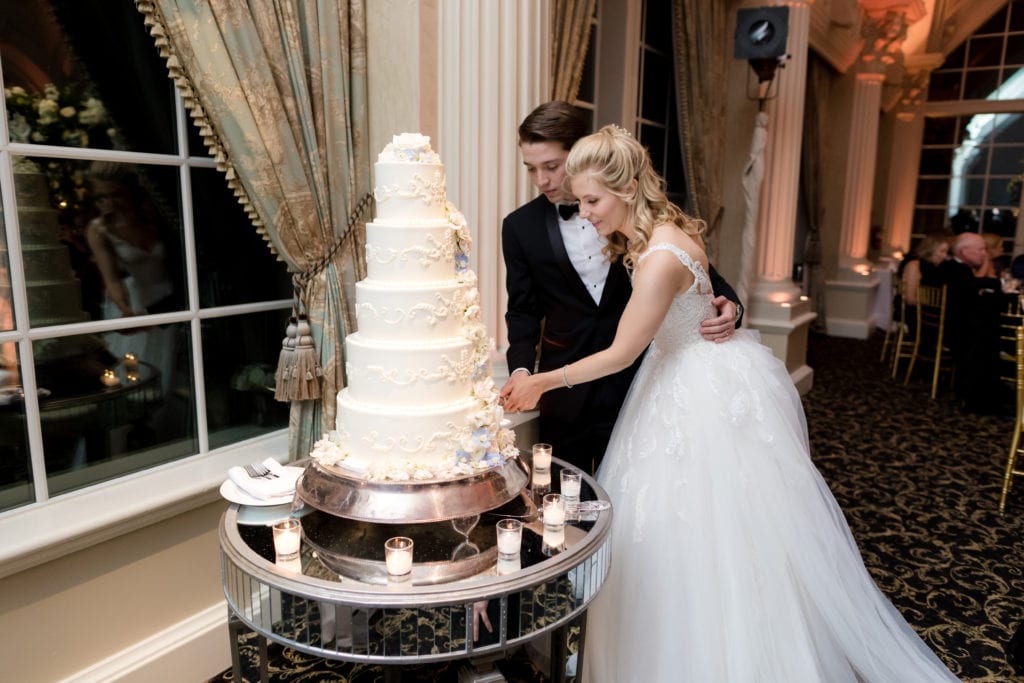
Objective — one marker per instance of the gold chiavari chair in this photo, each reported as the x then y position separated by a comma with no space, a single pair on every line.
1018,426
1009,322
903,345
929,340
897,312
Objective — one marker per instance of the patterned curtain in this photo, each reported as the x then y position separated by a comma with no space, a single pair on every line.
814,149
701,62
570,22
278,90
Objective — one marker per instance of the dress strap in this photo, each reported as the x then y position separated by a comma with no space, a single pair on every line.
700,276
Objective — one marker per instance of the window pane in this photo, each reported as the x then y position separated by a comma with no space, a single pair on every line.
658,25
118,403
6,295
1007,160
944,85
239,359
657,86
66,87
940,131
980,83
100,240
936,160
1014,52
998,193
15,465
1016,16
1009,128
997,24
929,220
933,191
235,265
985,51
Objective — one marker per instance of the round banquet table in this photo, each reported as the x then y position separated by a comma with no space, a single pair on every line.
308,606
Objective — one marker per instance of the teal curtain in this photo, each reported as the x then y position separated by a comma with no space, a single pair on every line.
278,89
701,55
570,30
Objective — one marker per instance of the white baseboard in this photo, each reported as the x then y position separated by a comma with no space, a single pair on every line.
191,650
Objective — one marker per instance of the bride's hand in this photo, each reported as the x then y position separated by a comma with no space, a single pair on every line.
523,394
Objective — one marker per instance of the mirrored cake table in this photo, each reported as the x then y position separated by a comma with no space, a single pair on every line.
319,605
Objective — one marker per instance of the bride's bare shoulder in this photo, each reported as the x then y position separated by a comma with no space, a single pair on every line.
671,234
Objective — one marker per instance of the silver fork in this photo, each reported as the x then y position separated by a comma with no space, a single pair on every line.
258,471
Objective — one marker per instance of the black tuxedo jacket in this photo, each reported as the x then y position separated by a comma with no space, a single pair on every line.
552,319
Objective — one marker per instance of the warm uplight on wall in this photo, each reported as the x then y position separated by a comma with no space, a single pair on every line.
863,268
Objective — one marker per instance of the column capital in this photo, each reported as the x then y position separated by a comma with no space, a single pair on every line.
883,35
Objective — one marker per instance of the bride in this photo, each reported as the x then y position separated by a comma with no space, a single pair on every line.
731,561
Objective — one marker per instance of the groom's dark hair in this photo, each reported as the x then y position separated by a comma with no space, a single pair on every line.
554,121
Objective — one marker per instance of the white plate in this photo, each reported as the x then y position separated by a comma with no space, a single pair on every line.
268,514
230,491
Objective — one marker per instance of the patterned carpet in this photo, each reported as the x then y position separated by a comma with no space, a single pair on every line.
919,481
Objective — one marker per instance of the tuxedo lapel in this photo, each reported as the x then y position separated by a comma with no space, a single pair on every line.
561,256
617,281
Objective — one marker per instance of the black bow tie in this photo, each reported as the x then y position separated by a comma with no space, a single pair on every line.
567,211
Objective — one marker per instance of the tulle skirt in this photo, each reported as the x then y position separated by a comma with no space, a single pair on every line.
731,560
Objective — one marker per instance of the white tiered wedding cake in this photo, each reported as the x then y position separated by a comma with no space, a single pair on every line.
420,402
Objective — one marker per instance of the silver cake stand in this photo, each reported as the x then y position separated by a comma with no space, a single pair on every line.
336,492
355,516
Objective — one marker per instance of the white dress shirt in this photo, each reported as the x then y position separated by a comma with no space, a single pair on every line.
584,246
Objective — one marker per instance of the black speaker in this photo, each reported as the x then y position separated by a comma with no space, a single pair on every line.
761,32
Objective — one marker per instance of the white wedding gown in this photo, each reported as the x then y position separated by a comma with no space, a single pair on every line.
731,561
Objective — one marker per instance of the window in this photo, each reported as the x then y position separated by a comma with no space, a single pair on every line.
657,127
971,162
140,312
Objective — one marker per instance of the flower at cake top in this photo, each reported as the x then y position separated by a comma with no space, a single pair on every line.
409,147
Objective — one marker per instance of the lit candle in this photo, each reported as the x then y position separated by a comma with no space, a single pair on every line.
541,456
109,379
554,515
510,536
131,364
287,538
398,556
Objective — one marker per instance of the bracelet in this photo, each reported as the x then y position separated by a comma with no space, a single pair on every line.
565,379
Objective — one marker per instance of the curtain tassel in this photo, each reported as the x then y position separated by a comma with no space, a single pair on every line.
306,370
286,361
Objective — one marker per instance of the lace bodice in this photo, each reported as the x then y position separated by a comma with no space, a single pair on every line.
681,326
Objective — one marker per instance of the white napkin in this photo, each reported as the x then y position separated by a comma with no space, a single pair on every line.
266,488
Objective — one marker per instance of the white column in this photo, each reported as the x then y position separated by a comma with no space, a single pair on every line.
904,163
862,147
493,69
775,307
851,299
776,216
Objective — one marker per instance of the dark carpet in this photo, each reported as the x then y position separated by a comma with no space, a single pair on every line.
919,481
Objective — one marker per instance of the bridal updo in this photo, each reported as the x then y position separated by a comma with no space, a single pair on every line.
614,158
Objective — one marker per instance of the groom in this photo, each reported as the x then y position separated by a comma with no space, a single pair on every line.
565,299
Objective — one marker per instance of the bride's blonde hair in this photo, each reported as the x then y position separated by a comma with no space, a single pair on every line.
614,158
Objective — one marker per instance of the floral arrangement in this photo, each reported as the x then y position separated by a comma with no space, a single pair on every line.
69,116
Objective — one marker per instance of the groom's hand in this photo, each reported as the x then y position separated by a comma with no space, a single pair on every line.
719,329
505,397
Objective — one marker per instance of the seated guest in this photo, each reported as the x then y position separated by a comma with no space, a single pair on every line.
921,266
972,326
997,260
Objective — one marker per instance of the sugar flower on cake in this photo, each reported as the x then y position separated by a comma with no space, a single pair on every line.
327,451
411,147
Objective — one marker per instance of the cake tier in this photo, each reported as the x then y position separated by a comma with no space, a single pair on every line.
410,253
393,312
45,264
409,373
30,184
52,303
38,226
402,438
405,190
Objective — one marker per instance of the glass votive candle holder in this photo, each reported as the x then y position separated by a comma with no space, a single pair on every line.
287,539
510,537
541,457
553,510
293,565
571,481
398,558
